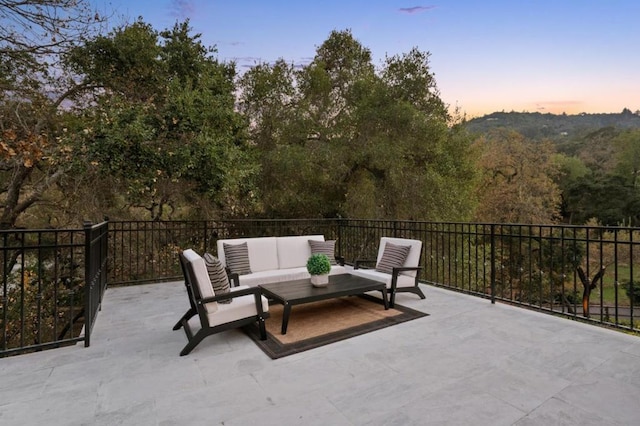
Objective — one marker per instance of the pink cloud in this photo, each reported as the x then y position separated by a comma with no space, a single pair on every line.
556,107
415,9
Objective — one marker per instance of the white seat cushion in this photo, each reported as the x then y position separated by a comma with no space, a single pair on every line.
337,270
277,275
242,307
372,274
291,274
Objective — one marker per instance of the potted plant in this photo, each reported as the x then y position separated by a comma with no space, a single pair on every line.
319,267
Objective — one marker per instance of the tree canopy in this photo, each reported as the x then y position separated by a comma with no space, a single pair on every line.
339,137
140,123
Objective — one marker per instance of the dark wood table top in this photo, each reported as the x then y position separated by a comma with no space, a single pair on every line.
302,291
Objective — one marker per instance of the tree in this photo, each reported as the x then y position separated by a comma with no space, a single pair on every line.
628,144
340,138
571,170
517,184
34,148
608,198
163,126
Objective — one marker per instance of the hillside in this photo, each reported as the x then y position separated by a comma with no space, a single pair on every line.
556,127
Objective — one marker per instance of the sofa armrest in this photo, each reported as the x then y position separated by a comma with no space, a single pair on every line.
359,262
340,260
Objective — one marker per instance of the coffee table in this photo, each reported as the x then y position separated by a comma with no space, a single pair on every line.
298,292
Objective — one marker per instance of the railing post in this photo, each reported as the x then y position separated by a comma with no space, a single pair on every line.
493,263
88,316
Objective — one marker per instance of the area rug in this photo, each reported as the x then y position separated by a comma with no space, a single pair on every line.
320,323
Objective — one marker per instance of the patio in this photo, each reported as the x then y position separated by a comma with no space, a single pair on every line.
469,362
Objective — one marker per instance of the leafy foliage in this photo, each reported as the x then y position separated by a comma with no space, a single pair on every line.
340,138
517,184
633,291
318,264
560,128
163,121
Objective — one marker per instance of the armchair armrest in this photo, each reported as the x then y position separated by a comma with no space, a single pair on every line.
359,262
406,268
257,294
231,295
396,271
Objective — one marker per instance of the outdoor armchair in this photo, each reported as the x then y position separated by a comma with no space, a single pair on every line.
247,307
397,264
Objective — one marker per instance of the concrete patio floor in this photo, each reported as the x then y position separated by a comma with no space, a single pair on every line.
468,363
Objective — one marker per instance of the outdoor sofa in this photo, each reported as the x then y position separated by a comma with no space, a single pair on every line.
265,260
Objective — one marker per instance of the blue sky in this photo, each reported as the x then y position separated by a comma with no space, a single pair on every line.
514,55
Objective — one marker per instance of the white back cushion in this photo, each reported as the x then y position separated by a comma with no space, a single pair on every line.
413,259
201,276
263,253
293,252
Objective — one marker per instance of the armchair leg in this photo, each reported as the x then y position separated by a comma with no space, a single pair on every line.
420,293
191,312
415,290
193,341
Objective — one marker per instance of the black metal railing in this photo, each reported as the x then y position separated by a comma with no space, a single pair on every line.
53,280
52,286
143,251
578,271
590,273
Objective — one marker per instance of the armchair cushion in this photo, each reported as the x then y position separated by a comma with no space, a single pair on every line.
393,257
243,307
202,280
324,247
237,258
218,276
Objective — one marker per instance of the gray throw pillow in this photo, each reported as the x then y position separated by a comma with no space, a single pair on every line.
218,276
324,247
393,256
237,258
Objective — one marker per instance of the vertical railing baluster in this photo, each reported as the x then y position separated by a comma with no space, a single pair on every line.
493,263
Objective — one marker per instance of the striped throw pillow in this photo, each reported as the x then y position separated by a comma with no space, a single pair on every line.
324,247
393,256
237,258
217,276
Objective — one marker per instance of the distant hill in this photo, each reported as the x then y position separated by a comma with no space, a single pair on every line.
556,127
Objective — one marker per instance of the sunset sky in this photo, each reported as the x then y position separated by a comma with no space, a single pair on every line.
514,55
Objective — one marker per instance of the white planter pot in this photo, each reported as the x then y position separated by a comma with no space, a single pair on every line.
320,280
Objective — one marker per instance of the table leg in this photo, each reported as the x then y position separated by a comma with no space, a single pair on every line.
285,317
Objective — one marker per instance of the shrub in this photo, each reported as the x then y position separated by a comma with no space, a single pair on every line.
633,291
318,264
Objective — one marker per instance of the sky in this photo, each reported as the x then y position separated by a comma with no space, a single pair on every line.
548,56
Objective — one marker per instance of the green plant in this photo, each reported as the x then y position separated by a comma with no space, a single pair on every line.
633,291
318,264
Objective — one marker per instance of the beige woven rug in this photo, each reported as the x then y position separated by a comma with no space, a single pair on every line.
316,324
